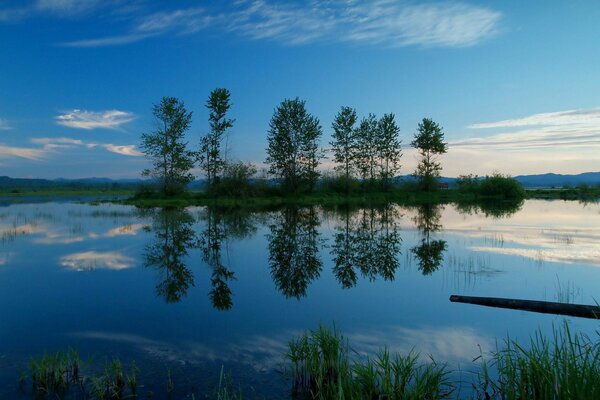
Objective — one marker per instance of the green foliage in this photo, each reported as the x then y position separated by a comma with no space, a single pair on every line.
236,180
52,374
210,156
344,142
167,148
429,141
495,186
322,369
367,136
389,148
564,367
501,186
292,153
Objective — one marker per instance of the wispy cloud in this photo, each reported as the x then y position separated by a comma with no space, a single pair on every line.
566,141
385,22
82,119
21,152
50,144
183,21
66,7
377,22
567,129
589,117
55,8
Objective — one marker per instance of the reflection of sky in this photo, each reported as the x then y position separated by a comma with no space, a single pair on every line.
453,344
543,231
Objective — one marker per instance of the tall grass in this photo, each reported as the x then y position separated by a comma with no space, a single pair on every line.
566,366
322,369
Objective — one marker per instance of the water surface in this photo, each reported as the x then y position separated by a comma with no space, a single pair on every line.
189,290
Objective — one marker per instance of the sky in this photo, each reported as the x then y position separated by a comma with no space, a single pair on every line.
515,85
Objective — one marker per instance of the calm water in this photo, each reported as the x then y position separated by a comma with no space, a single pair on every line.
191,290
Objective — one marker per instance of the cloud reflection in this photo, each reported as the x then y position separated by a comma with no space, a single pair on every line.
453,344
90,260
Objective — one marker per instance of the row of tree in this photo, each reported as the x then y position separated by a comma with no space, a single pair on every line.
369,149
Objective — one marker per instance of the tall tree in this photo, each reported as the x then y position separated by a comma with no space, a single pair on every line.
166,146
212,161
429,141
344,141
389,148
367,135
293,153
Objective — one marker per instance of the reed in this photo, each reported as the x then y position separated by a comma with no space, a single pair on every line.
564,366
322,369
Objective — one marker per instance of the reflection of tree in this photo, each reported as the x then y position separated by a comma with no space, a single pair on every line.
369,240
219,226
174,235
429,253
293,250
490,208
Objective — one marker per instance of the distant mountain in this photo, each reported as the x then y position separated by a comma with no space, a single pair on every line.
541,180
15,183
558,180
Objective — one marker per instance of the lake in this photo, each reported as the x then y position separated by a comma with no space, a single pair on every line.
186,291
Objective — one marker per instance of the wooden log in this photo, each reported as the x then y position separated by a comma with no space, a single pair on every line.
546,307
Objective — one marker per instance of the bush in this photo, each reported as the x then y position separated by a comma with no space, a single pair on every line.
236,180
501,186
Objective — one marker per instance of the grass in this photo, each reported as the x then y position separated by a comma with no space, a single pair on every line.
566,366
322,368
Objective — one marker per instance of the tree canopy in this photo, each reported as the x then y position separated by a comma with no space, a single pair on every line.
429,141
167,148
293,153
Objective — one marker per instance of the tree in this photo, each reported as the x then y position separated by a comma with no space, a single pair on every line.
344,141
366,144
292,152
167,148
389,148
210,157
429,141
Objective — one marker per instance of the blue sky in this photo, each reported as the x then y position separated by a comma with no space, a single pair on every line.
516,85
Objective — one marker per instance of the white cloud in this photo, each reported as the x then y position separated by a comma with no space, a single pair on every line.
21,152
376,22
128,150
82,119
4,125
90,260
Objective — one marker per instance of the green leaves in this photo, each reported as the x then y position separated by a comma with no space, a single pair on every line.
210,155
429,141
292,153
171,159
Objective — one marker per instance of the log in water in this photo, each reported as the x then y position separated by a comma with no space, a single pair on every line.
547,307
